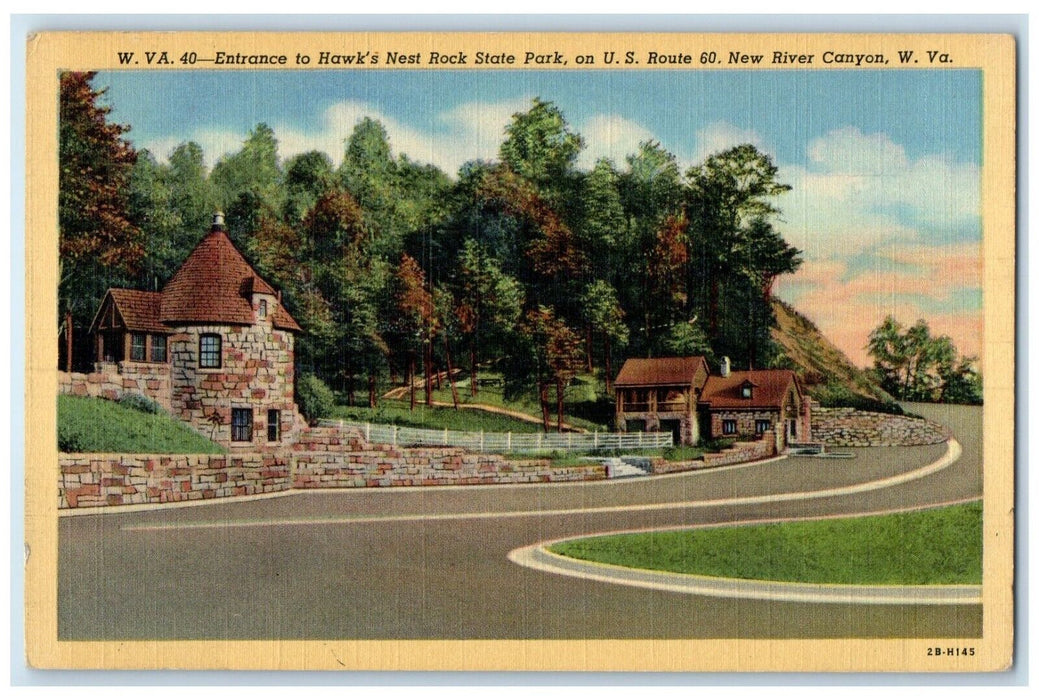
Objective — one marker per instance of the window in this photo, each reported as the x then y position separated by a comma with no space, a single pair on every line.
263,308
241,425
273,425
728,427
209,350
158,348
137,346
748,391
762,426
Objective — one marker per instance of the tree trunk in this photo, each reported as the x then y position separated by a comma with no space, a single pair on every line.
559,404
428,362
588,347
411,380
607,363
371,390
350,389
543,398
450,371
472,370
68,340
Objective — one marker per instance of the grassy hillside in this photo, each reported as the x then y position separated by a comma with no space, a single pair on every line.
96,425
824,370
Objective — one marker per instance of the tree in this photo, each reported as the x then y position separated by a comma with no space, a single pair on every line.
727,192
603,224
249,181
605,316
307,177
550,354
98,242
489,303
540,148
414,323
912,365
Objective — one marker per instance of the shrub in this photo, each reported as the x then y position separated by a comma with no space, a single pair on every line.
137,402
835,395
314,399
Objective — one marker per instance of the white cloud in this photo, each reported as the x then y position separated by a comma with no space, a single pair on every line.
610,136
855,191
720,136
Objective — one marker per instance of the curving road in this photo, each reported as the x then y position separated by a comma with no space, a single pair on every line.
432,563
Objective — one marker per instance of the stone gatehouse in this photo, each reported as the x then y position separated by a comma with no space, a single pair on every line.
215,348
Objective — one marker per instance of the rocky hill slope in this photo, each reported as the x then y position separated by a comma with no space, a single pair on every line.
824,370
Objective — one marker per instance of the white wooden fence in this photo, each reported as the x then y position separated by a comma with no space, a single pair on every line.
506,442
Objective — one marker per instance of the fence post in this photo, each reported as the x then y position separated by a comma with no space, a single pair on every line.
445,436
595,441
481,441
541,440
640,438
394,436
367,432
508,441
570,442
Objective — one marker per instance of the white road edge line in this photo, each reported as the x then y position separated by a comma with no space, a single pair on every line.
953,452
538,557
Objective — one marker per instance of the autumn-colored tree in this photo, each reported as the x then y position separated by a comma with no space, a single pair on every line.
553,357
98,241
415,321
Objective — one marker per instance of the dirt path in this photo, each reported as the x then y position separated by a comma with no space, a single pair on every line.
518,415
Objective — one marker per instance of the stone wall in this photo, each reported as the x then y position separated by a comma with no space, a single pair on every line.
111,380
325,458
111,480
740,452
256,372
848,427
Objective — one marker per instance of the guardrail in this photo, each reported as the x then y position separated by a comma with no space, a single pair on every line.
505,442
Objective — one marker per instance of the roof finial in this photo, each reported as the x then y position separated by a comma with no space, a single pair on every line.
218,221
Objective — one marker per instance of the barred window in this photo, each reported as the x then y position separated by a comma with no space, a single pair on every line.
762,426
209,350
158,348
137,346
241,425
728,427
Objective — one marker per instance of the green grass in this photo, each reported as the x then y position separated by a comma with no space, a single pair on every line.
940,546
581,392
436,418
96,425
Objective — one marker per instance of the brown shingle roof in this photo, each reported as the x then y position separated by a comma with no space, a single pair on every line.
213,286
770,389
138,310
660,371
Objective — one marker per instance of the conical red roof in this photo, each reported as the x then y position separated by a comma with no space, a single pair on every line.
214,285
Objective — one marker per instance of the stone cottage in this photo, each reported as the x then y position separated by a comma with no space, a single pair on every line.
680,395
751,403
215,347
661,394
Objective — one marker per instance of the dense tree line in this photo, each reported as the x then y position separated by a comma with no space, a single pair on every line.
398,271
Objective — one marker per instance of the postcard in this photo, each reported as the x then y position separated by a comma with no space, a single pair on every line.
520,351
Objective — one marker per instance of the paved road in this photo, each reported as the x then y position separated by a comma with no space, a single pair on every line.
432,563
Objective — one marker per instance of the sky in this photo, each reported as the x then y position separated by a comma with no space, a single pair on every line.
884,165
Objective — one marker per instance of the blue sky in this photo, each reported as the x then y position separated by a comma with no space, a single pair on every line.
885,165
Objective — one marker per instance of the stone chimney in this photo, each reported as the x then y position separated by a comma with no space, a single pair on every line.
726,366
218,222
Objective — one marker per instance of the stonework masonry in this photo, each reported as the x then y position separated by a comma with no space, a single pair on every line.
112,380
326,458
848,427
255,373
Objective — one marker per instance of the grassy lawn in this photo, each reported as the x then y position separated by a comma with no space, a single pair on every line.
580,392
96,425
436,418
940,546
